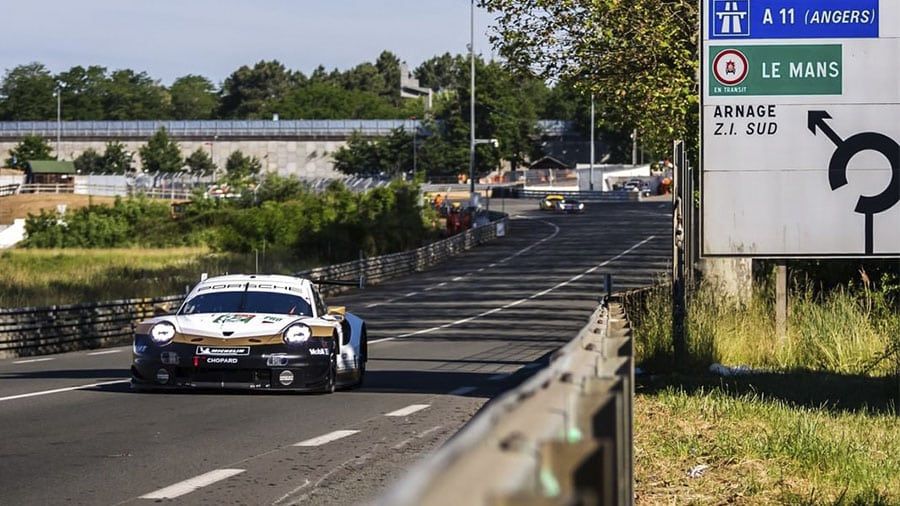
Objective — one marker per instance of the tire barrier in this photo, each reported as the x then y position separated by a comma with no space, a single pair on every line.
56,329
562,437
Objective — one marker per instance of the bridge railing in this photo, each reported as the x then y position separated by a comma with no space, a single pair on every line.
210,129
562,437
55,329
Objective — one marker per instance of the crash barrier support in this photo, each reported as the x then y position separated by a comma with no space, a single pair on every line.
562,437
55,329
586,196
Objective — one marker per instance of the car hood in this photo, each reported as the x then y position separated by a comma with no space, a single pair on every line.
235,325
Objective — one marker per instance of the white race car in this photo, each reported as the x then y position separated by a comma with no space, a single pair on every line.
254,332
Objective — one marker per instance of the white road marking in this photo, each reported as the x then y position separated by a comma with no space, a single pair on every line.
292,492
327,438
33,360
403,444
188,486
408,410
463,391
61,390
107,352
382,340
532,297
460,278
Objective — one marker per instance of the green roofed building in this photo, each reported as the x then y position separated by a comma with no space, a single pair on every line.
50,172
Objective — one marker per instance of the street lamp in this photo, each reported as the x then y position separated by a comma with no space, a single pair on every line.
58,93
472,98
591,170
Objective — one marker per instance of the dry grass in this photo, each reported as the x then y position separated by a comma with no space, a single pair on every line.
20,206
814,424
35,277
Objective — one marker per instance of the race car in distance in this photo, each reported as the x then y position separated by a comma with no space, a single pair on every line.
570,206
549,202
251,332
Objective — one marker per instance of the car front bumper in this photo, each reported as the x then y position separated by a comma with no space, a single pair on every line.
265,367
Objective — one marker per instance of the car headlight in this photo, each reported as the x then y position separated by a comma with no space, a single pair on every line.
580,206
297,333
162,333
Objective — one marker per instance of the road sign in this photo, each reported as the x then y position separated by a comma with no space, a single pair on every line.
793,19
801,138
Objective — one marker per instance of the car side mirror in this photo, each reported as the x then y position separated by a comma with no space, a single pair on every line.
337,311
162,309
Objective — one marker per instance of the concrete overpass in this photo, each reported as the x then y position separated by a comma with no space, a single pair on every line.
300,147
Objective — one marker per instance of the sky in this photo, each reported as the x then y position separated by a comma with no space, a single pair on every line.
172,38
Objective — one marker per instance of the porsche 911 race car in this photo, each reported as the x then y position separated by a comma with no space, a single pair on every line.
251,332
549,202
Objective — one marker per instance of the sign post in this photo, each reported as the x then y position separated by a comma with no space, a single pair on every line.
800,128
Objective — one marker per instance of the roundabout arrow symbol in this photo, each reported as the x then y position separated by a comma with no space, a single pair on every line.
846,150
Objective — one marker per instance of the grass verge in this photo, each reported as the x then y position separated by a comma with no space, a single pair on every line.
815,423
37,277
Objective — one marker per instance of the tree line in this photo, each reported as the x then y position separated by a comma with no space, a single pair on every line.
508,105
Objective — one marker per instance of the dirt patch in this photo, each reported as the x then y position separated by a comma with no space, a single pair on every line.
5,171
19,206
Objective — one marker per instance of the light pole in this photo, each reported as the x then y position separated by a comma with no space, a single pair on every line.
59,87
472,99
591,170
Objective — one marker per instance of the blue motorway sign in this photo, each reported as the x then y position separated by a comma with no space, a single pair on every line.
792,19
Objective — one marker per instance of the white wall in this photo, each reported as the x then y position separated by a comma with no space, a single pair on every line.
13,234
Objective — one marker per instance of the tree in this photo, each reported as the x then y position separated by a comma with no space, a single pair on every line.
388,66
27,92
161,154
116,159
437,73
31,147
129,95
193,97
83,93
638,57
241,170
389,156
89,162
199,162
253,92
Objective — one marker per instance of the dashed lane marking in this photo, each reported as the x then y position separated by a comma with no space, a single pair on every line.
33,360
408,410
532,297
187,486
327,438
61,390
491,266
107,352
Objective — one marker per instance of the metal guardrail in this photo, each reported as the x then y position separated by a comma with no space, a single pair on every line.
587,196
9,189
205,129
42,330
562,437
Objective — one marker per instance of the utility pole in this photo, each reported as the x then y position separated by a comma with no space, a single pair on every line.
472,99
634,147
679,295
591,170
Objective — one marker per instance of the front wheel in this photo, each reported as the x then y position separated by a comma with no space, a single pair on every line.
331,380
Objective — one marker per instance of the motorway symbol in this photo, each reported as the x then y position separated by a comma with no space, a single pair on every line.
730,67
732,17
846,150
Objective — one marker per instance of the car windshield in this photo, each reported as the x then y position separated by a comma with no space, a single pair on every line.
247,302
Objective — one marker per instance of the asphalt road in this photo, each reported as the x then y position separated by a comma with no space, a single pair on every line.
443,343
